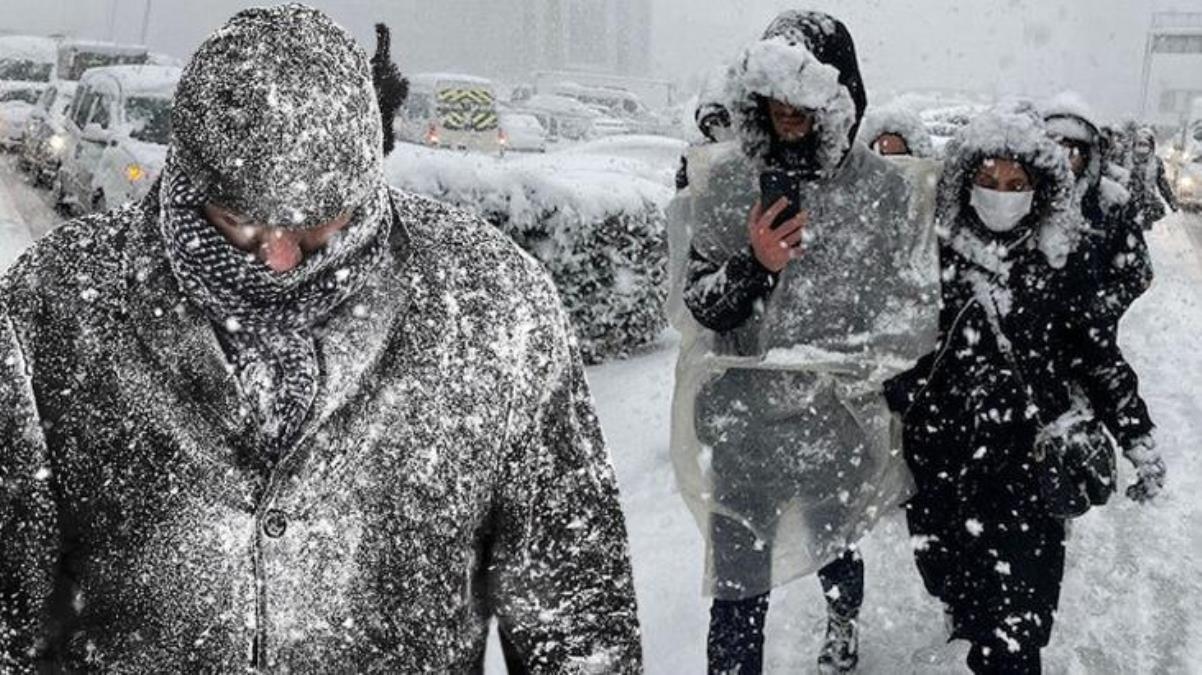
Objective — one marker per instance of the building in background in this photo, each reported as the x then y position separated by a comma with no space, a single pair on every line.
1172,73
510,39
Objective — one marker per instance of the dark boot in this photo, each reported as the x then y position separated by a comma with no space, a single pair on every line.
736,638
843,585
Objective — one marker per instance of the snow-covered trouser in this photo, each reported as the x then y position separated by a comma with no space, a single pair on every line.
771,455
736,634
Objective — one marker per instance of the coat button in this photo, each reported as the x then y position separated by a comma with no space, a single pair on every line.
274,524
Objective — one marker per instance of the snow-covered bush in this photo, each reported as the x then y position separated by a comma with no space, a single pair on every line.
594,219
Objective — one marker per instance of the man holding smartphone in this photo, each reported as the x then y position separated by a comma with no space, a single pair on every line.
809,292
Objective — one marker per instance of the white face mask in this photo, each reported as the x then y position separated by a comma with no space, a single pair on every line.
1001,211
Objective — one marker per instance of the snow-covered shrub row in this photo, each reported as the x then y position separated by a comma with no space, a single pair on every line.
592,215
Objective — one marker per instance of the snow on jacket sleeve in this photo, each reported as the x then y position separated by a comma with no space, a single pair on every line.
560,575
722,294
1127,273
29,533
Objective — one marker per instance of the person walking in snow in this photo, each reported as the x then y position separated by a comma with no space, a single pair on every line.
782,440
1115,269
280,417
997,423
894,131
1149,182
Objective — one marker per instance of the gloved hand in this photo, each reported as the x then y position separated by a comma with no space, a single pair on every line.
1149,465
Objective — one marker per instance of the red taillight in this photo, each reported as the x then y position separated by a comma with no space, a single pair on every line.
502,137
432,135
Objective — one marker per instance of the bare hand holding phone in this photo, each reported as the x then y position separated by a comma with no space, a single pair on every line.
775,247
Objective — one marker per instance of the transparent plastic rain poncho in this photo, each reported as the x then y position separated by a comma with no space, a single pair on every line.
783,446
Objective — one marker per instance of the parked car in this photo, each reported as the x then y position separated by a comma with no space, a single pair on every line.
27,58
1189,184
46,133
26,67
117,129
448,110
562,117
523,133
16,104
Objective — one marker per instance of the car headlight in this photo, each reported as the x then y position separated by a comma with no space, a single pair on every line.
134,172
56,143
1186,184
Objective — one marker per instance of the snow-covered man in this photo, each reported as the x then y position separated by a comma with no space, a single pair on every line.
280,417
1115,268
1149,183
781,436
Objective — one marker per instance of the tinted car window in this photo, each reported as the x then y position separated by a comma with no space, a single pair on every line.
149,119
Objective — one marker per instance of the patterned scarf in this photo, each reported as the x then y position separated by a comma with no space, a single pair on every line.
265,319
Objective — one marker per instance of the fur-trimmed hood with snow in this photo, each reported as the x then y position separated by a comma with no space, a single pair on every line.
1068,116
1013,132
808,60
902,122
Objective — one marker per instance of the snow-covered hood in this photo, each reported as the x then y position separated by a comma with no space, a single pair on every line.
1017,133
808,60
902,122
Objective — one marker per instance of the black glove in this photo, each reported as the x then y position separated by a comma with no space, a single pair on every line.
1150,468
391,88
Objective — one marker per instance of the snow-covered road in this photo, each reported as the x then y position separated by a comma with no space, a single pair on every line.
1134,582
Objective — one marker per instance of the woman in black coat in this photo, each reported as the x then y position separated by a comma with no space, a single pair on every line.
1012,365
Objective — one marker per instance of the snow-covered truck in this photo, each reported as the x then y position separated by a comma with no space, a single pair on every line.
450,110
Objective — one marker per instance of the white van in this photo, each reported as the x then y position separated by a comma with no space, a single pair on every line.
117,130
448,110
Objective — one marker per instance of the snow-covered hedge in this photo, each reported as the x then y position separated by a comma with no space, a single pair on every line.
593,215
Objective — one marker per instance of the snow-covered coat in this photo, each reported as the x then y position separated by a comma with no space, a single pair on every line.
987,545
902,122
1112,261
778,418
452,470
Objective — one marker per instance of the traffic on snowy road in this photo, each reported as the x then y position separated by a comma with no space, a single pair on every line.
537,349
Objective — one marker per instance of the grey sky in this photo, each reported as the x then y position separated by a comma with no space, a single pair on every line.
1033,47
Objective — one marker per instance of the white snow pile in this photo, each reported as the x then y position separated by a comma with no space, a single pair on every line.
593,215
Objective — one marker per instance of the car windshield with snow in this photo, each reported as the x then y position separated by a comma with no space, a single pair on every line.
117,131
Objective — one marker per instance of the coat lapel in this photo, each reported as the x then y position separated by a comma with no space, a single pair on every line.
182,344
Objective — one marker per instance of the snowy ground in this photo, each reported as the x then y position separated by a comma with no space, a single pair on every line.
1133,587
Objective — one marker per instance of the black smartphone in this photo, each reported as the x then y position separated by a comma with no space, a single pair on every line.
776,184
